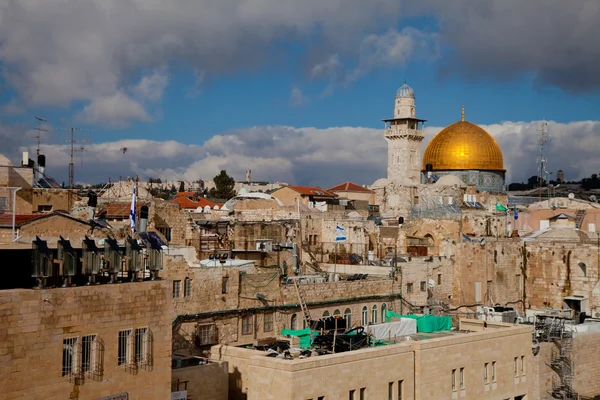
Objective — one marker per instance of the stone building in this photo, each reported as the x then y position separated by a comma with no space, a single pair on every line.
76,341
490,361
465,150
460,157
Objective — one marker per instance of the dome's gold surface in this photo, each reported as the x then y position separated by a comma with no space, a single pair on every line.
463,146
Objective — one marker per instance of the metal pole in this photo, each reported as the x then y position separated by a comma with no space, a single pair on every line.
14,234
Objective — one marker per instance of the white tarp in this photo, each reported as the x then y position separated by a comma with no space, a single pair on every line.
404,327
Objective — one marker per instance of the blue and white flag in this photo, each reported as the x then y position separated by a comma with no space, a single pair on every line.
132,211
340,234
516,214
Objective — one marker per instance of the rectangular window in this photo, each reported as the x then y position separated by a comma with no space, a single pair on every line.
493,371
515,366
124,344
247,325
485,373
400,389
522,365
87,352
187,287
166,232
351,395
363,393
268,325
176,289
462,378
439,279
44,208
423,286
391,391
206,334
140,345
224,285
69,356
409,287
453,379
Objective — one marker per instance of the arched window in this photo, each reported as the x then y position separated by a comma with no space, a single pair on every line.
294,322
365,316
325,314
348,317
383,312
337,313
374,314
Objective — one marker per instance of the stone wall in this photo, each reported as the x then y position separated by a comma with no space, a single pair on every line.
33,324
539,273
164,214
204,382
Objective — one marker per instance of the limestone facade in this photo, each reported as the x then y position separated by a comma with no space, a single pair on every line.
441,366
35,326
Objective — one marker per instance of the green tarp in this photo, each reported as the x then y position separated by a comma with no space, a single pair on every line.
425,323
303,334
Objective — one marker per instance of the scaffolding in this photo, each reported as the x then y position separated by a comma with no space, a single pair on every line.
553,329
435,208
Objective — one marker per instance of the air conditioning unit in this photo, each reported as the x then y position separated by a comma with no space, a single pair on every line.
264,245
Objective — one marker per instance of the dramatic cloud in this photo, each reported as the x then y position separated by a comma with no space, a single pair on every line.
392,49
554,40
56,52
312,156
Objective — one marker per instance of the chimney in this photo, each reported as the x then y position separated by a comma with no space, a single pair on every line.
41,163
143,219
25,161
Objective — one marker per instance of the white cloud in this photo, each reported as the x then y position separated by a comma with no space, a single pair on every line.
316,156
297,97
152,86
391,49
116,110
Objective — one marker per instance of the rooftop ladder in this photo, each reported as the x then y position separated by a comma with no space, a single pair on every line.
305,312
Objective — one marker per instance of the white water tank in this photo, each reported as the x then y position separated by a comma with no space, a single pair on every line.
371,255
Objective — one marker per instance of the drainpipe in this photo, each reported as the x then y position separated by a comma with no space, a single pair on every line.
15,235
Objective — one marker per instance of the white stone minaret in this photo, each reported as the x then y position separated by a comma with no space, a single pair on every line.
248,175
404,133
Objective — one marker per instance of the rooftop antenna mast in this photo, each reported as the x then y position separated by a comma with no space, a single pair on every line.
38,135
542,160
72,142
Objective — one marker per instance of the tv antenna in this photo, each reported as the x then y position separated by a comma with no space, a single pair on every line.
72,141
38,135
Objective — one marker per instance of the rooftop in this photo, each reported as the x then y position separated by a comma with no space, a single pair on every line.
349,187
312,191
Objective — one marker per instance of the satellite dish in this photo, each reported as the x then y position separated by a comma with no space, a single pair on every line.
593,198
571,196
431,283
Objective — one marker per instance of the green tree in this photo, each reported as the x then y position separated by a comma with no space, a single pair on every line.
223,186
182,187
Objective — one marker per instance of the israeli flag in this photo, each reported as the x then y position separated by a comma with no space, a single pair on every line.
516,214
132,211
340,234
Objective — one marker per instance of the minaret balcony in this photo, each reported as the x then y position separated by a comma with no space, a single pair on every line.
404,133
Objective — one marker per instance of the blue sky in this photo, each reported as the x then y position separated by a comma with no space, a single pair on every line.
191,73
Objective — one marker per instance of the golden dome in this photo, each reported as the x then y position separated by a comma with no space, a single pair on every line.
463,146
